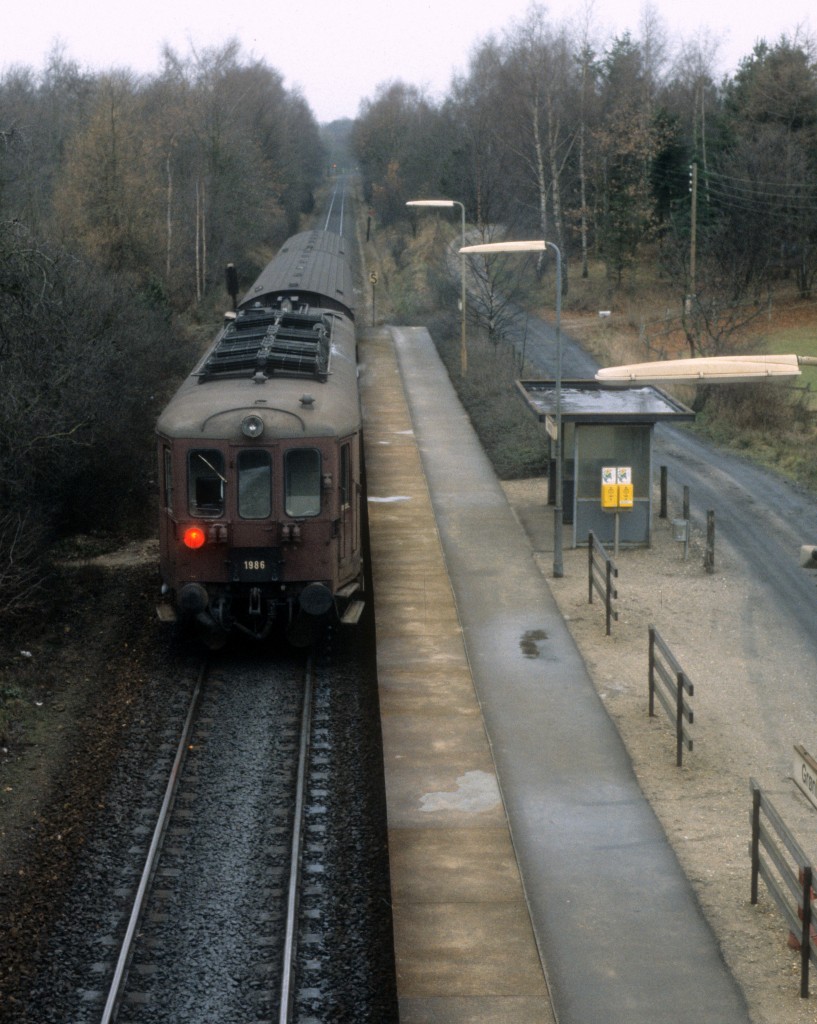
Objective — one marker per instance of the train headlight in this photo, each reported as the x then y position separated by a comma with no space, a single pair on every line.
194,537
252,426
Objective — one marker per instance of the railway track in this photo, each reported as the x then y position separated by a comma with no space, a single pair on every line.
214,929
208,945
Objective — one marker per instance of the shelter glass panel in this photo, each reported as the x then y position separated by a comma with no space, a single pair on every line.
615,445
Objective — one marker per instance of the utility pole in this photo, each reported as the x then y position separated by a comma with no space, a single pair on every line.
693,231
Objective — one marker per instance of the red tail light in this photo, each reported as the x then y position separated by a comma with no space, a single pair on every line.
194,537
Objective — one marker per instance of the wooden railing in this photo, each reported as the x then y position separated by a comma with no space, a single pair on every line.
671,685
601,571
788,879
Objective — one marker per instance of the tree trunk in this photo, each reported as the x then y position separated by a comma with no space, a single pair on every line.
541,177
169,218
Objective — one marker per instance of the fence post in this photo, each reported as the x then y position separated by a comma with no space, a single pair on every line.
608,589
679,719
709,556
652,671
663,513
590,540
755,838
805,935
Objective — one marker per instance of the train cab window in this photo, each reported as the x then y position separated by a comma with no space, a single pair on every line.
168,474
254,484
345,475
205,482
302,473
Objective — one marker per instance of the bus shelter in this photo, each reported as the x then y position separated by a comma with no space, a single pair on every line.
607,453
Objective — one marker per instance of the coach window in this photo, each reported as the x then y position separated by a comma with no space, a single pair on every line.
205,482
303,482
254,484
168,467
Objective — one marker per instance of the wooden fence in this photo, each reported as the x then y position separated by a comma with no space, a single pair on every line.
671,685
601,571
788,879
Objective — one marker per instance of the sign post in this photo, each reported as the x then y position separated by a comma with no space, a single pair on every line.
617,493
373,279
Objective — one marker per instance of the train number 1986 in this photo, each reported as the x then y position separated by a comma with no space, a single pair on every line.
255,565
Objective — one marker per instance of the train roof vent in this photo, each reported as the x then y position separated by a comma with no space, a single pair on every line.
272,342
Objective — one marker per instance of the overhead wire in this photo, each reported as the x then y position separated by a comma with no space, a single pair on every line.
740,194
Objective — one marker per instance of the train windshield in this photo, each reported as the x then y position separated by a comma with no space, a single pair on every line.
205,482
254,484
303,482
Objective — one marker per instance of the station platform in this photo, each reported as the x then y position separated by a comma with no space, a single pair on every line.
531,882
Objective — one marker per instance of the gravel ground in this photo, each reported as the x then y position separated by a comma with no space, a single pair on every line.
89,698
72,687
753,701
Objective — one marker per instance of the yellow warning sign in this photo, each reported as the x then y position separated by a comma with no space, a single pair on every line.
609,495
617,487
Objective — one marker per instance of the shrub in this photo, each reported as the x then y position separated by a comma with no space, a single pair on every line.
86,363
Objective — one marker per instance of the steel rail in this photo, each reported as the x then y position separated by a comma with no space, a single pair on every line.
291,937
153,853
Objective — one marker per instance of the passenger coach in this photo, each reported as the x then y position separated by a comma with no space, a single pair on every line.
260,458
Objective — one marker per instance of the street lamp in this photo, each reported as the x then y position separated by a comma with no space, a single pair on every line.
706,369
449,203
541,246
714,370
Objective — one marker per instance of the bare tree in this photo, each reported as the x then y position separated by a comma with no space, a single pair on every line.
541,88
397,142
108,196
587,103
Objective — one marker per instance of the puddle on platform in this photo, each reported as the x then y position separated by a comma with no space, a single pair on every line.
530,642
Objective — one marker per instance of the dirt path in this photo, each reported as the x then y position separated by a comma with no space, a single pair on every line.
754,683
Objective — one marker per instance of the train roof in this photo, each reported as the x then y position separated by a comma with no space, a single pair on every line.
289,406
310,268
278,356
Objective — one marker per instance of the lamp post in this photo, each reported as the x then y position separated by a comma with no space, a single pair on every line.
541,246
447,203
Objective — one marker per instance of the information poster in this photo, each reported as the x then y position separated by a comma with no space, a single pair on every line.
617,487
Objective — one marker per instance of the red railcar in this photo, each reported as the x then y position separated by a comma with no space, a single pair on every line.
260,458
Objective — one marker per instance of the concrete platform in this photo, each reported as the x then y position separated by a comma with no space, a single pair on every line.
531,881
465,948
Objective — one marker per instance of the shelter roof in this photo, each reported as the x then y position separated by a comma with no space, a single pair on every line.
587,401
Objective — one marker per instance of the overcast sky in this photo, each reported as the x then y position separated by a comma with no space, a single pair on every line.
338,51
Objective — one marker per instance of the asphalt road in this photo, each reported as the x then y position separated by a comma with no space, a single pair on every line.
762,517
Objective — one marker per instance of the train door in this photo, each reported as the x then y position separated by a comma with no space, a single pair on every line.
348,500
167,518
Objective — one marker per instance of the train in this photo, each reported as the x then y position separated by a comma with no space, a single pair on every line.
260,459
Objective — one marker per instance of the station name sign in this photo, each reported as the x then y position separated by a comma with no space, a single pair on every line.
805,773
